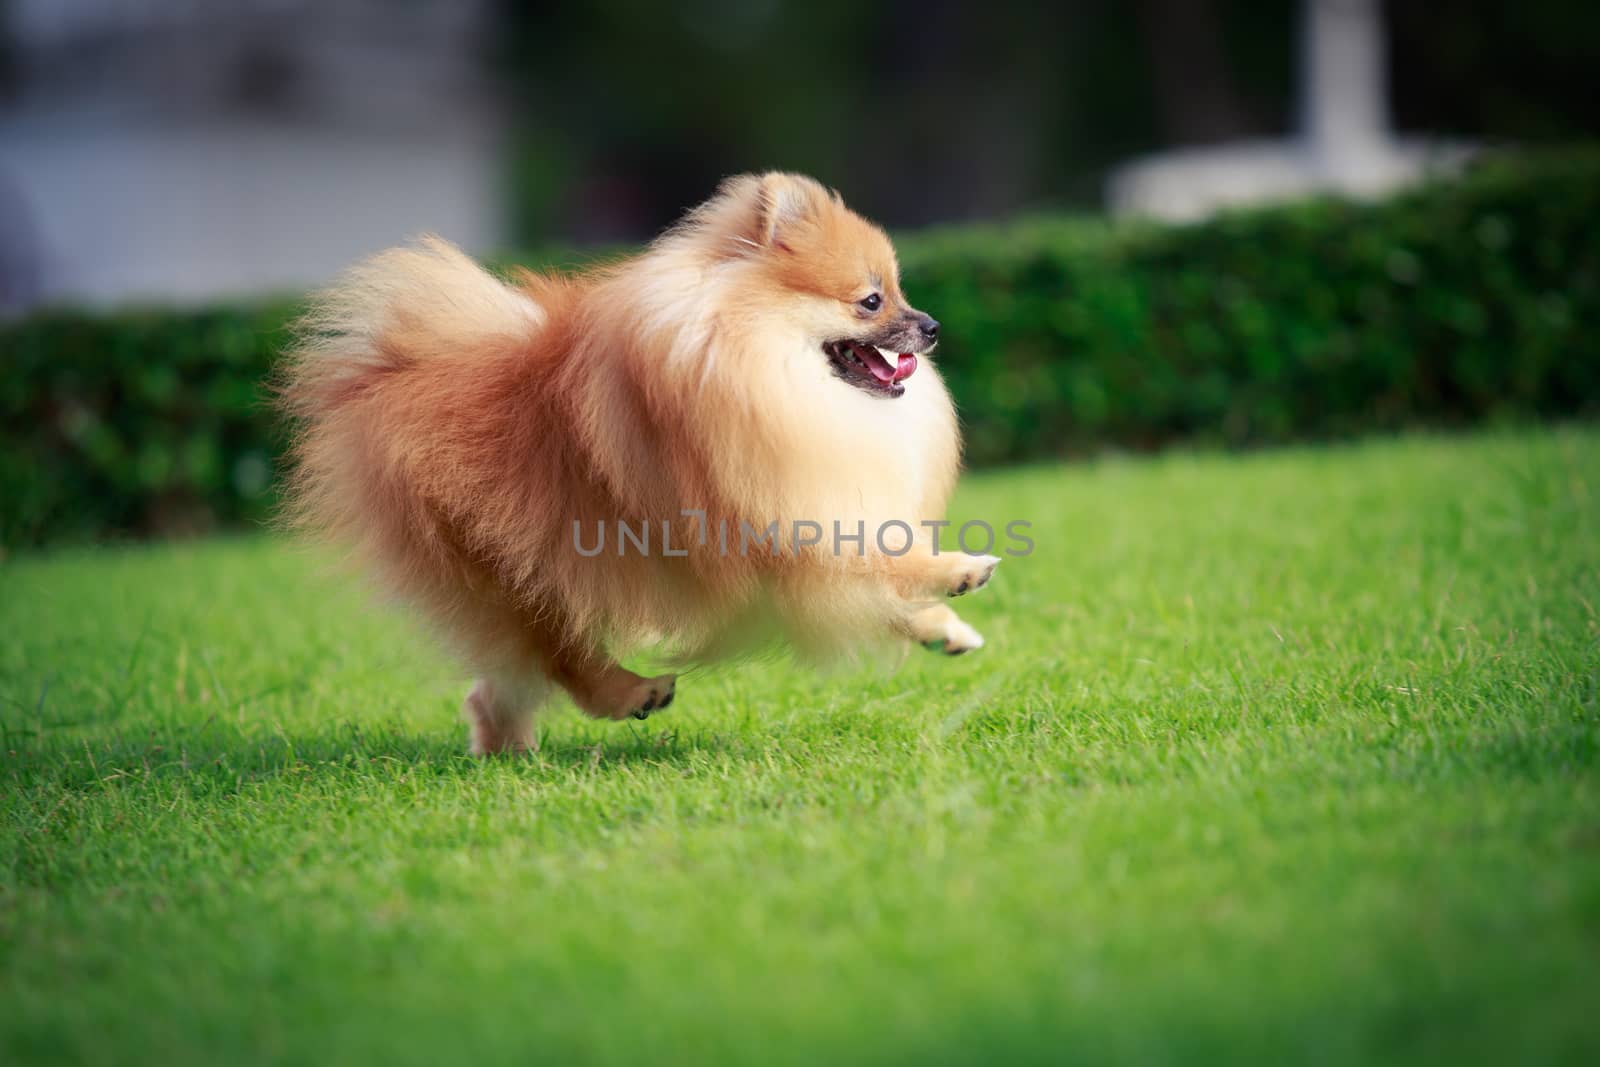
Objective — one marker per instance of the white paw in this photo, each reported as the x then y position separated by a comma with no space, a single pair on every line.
973,574
958,637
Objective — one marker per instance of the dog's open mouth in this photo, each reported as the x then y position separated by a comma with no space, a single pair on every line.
869,368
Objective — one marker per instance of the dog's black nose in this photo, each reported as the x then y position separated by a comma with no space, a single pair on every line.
929,327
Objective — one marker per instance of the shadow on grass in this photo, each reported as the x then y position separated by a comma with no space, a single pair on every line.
215,758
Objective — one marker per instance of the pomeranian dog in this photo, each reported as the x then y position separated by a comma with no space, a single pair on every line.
743,419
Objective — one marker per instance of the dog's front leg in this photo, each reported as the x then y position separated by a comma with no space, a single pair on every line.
920,574
936,627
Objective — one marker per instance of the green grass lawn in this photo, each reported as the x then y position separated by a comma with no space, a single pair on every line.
1288,756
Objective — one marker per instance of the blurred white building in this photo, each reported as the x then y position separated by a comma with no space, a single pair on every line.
189,149
1344,144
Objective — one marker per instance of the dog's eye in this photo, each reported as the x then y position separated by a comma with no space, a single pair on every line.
872,301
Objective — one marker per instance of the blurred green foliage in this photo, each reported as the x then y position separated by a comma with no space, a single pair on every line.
624,112
1460,301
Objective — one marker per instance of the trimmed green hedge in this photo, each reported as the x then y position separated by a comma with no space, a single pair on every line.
136,422
1463,300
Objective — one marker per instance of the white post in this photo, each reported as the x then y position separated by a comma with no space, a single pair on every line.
1344,105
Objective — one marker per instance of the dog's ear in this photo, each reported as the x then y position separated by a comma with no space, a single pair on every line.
756,211
784,201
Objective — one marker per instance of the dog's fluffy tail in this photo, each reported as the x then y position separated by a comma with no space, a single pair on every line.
425,301
367,343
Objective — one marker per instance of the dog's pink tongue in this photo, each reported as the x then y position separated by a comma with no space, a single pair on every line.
877,365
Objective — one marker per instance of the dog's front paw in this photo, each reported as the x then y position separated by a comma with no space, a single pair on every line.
939,629
970,573
956,638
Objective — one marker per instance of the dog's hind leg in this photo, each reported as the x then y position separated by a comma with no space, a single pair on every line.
938,628
500,710
604,689
598,684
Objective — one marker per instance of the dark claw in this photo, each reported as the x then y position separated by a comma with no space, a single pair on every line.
962,588
667,700
649,705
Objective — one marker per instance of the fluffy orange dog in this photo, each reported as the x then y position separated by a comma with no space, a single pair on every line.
755,372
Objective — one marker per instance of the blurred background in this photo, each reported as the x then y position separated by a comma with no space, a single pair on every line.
1083,191
184,149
